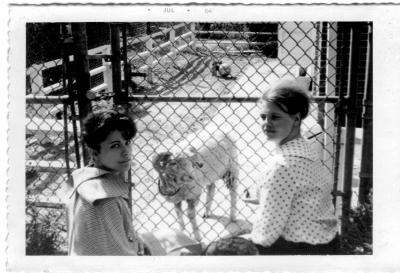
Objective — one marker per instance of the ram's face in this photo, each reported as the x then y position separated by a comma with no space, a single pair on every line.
173,173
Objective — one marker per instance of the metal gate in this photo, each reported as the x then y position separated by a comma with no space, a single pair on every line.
163,75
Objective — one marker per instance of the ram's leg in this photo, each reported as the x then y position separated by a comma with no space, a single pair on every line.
192,218
179,214
230,179
209,199
233,194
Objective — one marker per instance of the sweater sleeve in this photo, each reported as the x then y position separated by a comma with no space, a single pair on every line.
116,224
110,231
276,194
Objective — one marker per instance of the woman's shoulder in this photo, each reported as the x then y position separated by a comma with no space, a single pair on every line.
96,185
109,202
299,149
87,173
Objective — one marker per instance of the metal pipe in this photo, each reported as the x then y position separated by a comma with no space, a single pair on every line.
157,98
130,201
241,33
116,62
127,68
65,105
82,76
322,66
351,115
67,85
367,142
49,205
75,135
66,138
33,99
339,116
338,143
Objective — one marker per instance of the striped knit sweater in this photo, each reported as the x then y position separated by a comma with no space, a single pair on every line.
100,221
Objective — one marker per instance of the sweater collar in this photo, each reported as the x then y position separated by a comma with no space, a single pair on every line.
297,147
102,183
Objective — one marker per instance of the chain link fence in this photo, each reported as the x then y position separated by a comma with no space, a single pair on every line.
185,84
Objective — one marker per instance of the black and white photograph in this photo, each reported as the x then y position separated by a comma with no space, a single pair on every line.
173,132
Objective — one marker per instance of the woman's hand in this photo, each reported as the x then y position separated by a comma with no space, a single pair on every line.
250,198
141,247
251,201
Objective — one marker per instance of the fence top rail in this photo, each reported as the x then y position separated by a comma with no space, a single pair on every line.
49,205
156,98
46,99
145,38
235,32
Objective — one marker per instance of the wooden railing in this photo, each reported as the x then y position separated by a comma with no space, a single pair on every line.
35,72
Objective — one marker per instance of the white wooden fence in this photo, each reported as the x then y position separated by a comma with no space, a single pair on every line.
43,128
177,44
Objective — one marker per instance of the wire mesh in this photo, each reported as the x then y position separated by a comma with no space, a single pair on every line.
179,99
187,71
45,171
49,156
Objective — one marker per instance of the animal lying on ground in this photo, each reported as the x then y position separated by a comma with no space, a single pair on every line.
223,69
200,161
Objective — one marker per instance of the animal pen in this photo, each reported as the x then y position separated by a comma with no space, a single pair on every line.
162,75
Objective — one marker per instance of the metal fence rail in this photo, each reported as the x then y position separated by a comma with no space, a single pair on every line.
164,76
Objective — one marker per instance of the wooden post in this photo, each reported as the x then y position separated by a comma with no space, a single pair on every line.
82,76
172,40
351,115
367,143
193,37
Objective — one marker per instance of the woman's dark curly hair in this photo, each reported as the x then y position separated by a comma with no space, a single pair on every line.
289,96
98,125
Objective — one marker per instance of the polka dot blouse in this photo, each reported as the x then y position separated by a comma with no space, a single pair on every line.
295,198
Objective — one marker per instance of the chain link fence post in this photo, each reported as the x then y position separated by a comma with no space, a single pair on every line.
116,63
68,84
351,116
367,142
82,76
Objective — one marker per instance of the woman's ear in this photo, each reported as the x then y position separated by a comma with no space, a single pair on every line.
297,118
94,152
93,157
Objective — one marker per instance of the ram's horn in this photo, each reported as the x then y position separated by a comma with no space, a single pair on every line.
196,158
165,193
160,161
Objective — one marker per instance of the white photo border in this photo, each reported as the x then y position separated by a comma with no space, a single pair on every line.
386,80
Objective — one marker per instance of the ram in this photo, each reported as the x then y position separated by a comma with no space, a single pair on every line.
199,161
223,69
